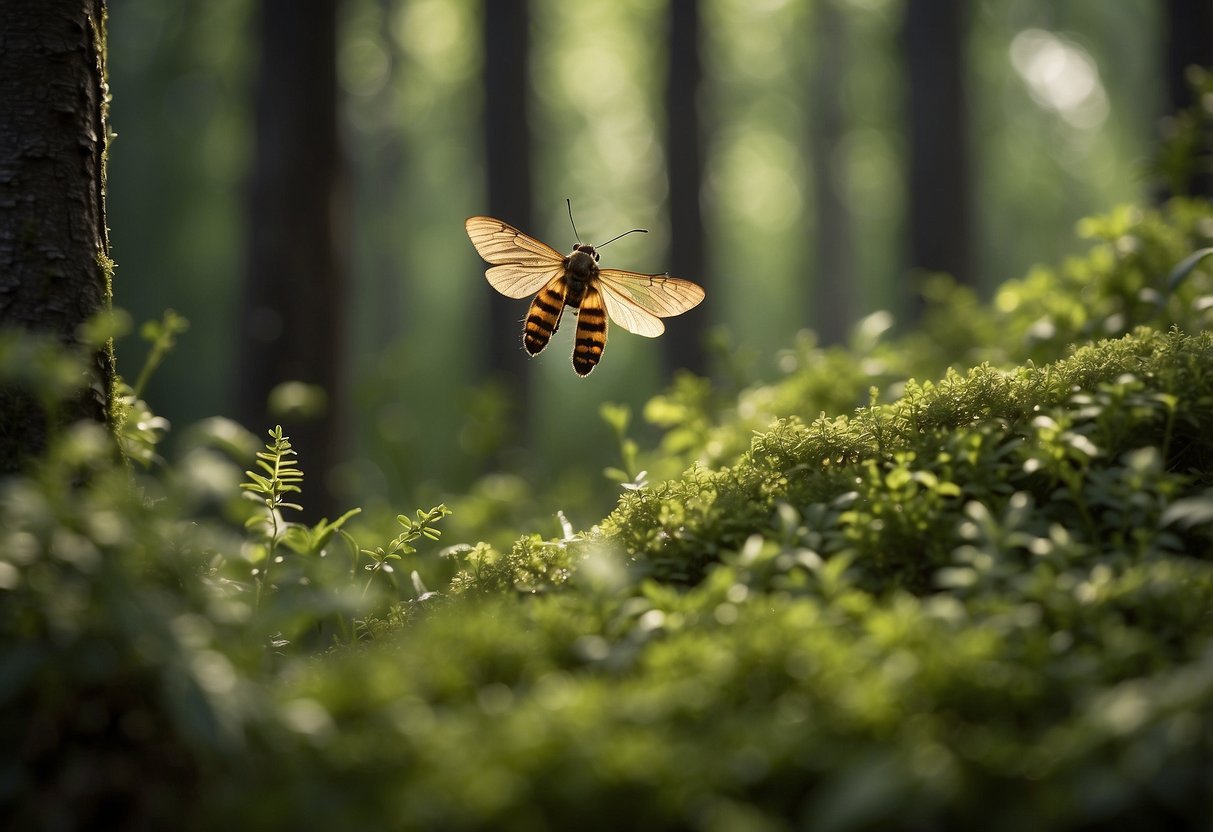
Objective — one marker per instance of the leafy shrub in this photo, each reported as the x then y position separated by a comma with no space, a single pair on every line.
980,602
1120,284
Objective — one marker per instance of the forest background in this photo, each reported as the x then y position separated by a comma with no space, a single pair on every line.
776,151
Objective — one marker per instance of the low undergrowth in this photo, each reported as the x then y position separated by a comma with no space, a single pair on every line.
979,600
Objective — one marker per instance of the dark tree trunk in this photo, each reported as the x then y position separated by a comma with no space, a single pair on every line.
1189,43
293,323
938,210
381,199
54,250
684,342
834,302
507,147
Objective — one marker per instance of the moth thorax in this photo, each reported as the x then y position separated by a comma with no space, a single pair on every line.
581,267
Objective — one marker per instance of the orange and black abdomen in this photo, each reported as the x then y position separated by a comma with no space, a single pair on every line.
591,331
543,317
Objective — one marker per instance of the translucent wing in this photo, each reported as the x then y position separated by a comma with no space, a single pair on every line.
521,264
632,318
637,301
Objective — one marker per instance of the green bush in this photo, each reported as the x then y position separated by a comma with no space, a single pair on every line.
978,601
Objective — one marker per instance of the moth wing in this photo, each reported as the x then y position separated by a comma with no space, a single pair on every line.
629,316
520,282
521,264
637,301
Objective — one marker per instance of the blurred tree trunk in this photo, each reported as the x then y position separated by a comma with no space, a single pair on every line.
293,323
683,344
938,210
834,301
54,248
1189,43
507,147
382,196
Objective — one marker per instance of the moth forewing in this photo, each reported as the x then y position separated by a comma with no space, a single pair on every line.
658,294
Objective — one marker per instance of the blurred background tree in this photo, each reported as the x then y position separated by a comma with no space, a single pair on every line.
292,329
937,122
812,182
506,136
828,225
683,344
1189,42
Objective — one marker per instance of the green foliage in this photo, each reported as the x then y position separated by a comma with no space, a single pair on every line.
905,465
401,545
899,618
962,599
140,430
123,684
1140,270
1186,152
138,652
162,335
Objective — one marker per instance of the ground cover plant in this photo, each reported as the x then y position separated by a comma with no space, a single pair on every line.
878,592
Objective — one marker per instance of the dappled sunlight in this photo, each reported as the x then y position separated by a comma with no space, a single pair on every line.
437,34
1061,76
593,88
363,64
756,180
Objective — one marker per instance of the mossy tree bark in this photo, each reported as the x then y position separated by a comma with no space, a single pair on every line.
55,272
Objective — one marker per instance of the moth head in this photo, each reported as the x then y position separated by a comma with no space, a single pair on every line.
586,250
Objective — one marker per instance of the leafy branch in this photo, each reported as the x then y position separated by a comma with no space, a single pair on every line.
401,545
281,477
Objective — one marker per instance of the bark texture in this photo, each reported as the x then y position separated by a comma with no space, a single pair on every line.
54,252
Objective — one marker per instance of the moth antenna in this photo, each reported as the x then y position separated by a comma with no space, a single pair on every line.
569,202
624,234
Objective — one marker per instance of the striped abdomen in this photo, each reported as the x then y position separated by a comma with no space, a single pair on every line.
591,331
543,318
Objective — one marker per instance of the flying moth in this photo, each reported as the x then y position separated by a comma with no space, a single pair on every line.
522,266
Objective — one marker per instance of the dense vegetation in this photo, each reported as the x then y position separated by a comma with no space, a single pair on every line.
981,599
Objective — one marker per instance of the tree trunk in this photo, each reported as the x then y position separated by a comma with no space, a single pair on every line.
507,147
1189,43
54,250
293,324
938,210
382,197
834,301
684,343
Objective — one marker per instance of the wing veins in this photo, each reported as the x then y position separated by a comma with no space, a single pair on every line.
521,265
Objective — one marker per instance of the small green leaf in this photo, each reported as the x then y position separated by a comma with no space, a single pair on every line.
1180,273
1189,512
